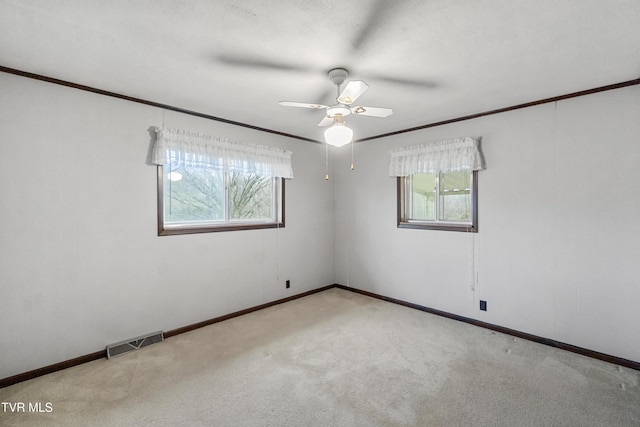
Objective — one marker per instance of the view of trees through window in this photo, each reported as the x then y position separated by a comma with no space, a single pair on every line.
454,196
208,195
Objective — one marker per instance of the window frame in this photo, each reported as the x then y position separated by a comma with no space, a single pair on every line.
403,222
173,230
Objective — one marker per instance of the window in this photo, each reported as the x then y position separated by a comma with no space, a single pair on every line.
440,201
438,184
208,184
198,200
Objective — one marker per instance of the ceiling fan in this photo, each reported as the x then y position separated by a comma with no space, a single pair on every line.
339,134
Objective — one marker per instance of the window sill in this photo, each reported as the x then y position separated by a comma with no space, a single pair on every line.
467,228
195,229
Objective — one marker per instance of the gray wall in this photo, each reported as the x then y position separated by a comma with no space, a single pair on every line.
81,265
557,251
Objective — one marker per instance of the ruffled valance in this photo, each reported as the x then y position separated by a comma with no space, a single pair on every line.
444,156
177,147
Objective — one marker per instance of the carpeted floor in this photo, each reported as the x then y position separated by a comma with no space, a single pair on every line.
335,358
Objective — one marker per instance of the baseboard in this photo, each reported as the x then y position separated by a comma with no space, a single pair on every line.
5,382
15,379
530,337
18,378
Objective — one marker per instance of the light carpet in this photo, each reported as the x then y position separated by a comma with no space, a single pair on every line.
335,358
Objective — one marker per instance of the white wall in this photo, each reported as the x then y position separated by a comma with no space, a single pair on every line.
81,265
557,251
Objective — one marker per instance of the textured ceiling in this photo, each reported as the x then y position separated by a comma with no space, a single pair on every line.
427,60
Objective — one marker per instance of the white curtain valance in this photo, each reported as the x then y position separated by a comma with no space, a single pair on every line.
445,156
177,147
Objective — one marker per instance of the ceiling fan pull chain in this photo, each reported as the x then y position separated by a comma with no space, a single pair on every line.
353,167
326,162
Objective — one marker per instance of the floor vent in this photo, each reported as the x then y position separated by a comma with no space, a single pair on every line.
133,344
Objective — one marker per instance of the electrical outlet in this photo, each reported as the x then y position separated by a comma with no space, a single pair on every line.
287,284
483,305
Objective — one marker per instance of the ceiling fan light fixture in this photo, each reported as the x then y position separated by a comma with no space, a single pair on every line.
338,134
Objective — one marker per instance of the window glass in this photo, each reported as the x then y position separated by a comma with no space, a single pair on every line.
193,194
455,196
423,196
250,197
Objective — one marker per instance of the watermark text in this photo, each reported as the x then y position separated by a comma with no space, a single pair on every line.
30,407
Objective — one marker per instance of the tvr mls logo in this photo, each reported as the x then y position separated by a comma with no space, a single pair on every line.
31,407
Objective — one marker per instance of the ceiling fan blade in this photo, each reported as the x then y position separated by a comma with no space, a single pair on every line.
326,121
352,91
379,11
248,62
425,84
372,111
302,105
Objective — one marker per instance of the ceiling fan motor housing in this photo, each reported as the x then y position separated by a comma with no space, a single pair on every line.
339,109
338,75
